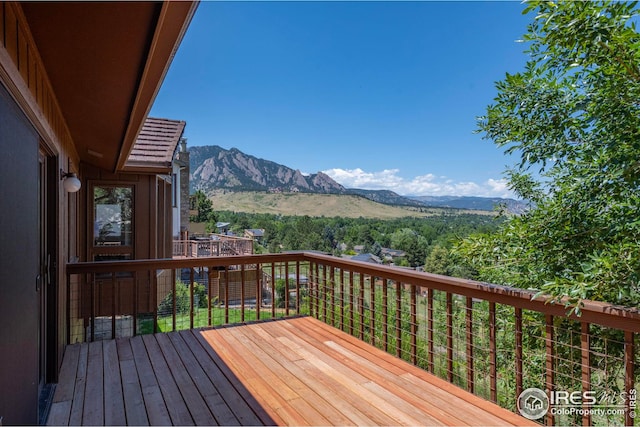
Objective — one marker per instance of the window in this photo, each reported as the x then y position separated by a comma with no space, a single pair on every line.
112,222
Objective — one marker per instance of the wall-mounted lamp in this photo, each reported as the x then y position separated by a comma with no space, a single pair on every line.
71,182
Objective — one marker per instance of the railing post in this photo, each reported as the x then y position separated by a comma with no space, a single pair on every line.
449,337
242,295
469,330
209,309
259,283
298,287
398,319
92,293
342,302
351,302
324,293
372,310
360,303
113,305
493,353
173,298
273,290
191,302
430,328
155,296
286,288
226,294
585,345
68,310
385,314
518,350
414,325
631,403
550,372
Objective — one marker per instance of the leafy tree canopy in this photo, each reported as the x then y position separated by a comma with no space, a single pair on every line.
573,117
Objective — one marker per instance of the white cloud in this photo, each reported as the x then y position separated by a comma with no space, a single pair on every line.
423,185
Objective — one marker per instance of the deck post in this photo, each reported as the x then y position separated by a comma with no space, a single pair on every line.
469,330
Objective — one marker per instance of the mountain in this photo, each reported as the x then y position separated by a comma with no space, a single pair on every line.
216,168
213,167
467,202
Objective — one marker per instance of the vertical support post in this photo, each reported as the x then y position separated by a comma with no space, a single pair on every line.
259,283
550,372
372,310
154,293
360,304
385,314
469,330
631,408
286,288
585,345
298,287
113,304
518,352
192,307
342,302
332,289
273,290
209,309
92,294
173,303
430,343
414,325
135,301
68,310
449,337
226,294
242,294
324,293
398,319
493,353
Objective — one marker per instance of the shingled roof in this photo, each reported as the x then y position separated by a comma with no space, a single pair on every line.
155,145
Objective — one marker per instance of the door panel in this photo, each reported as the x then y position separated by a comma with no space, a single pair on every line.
19,266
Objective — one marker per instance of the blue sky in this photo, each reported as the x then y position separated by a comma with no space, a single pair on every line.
379,95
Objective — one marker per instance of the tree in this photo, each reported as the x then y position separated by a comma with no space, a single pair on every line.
204,208
573,117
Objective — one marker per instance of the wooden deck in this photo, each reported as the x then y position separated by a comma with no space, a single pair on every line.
298,371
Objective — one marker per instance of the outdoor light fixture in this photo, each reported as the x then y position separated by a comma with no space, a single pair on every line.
71,182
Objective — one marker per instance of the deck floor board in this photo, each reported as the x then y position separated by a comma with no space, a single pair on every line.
298,371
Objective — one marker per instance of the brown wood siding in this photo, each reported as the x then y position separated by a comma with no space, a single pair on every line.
18,42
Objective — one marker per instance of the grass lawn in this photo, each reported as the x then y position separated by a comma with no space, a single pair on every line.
201,319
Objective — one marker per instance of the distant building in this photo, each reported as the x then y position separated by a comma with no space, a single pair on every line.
256,234
367,258
222,227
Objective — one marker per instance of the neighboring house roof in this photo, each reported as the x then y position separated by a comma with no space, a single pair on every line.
222,224
393,252
367,258
155,146
255,232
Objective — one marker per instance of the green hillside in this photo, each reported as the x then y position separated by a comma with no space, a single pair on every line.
318,205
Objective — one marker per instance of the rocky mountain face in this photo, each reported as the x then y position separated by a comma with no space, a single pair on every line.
213,167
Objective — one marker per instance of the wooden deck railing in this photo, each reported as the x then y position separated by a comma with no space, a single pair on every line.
218,245
493,341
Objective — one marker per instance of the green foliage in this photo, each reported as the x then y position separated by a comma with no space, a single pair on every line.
573,117
204,208
183,299
415,236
